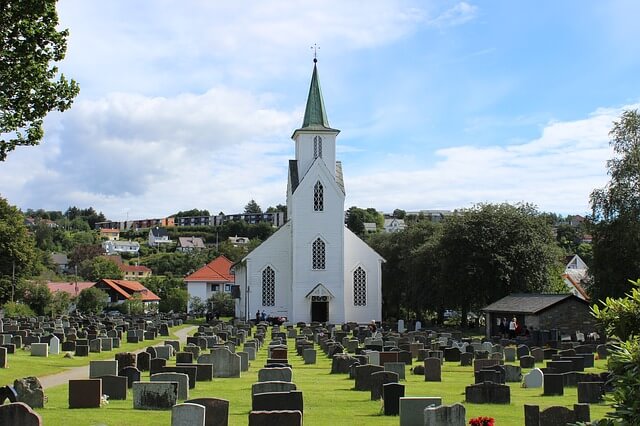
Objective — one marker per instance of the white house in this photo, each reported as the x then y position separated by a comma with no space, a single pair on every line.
113,247
214,277
313,268
394,225
158,236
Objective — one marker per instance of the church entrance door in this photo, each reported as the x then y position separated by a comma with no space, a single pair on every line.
319,311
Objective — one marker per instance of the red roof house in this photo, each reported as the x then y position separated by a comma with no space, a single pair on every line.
121,290
214,277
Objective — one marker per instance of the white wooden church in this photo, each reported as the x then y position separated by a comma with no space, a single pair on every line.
313,268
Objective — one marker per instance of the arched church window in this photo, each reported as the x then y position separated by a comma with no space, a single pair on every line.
318,255
317,147
268,287
359,287
318,197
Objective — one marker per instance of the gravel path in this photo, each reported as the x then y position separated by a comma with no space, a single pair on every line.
83,371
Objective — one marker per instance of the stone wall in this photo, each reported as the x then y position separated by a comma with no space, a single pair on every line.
568,316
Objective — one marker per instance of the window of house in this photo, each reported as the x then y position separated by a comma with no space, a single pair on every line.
359,287
318,197
317,147
214,287
268,287
318,254
227,287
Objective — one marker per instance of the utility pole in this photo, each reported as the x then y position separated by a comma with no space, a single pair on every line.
13,279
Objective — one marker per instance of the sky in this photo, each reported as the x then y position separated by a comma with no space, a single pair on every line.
441,104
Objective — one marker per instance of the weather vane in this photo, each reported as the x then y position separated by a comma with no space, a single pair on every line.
315,48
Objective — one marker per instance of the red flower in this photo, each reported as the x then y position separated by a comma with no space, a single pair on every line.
482,421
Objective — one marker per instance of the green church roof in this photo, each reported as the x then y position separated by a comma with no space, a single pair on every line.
315,114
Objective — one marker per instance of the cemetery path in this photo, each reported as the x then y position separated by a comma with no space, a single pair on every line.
83,371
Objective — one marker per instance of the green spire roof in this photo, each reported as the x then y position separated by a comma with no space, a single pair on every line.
314,114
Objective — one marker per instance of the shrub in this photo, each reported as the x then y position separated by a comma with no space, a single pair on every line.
16,309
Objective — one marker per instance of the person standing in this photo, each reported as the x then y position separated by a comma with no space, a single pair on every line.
513,325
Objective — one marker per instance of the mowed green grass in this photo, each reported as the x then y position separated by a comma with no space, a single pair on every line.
22,364
328,399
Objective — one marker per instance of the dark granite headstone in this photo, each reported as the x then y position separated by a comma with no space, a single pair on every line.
82,350
276,401
142,361
379,379
590,392
115,387
271,418
527,361
432,370
19,413
156,365
553,384
391,394
216,410
488,393
466,359
363,376
85,393
131,373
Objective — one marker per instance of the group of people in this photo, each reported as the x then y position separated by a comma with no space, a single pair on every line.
512,328
277,320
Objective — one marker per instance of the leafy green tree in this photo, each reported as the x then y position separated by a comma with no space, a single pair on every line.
399,213
252,207
221,303
616,213
99,268
490,251
197,306
356,217
18,254
620,318
192,212
134,306
30,85
60,303
38,297
92,300
277,208
17,309
175,300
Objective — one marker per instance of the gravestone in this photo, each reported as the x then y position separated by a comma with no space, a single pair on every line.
54,345
363,376
190,370
379,379
341,363
154,395
452,354
3,357
275,374
309,356
69,346
115,387
180,378
602,352
244,361
432,370
82,350
156,365
466,359
85,393
102,368
29,390
512,373
164,352
126,359
19,413
398,368
132,374
533,379
264,387
527,361
187,414
553,384
537,354
95,346
8,393
412,409
391,394
40,349
522,350
555,415
445,415
225,363
271,418
590,392
143,360
510,354
488,393
216,410
184,358
278,401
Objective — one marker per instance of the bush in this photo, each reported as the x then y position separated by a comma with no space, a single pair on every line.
16,309
92,300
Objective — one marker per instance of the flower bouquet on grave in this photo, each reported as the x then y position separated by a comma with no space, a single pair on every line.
482,421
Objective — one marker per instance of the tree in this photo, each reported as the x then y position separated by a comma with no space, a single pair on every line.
60,303
222,304
92,300
356,220
30,85
399,213
18,254
98,268
616,213
197,305
134,305
192,212
252,207
38,297
175,300
490,251
277,208
620,318
84,252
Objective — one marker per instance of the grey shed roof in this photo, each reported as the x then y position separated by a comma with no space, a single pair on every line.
527,303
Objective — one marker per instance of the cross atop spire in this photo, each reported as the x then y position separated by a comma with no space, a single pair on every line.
315,48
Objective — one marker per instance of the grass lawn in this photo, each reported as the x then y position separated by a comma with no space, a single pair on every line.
22,364
328,398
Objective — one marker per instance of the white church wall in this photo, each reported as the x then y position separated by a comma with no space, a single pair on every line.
358,253
305,150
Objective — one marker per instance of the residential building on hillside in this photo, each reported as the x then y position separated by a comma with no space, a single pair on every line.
394,225
61,261
214,277
158,236
195,220
112,234
73,288
166,222
122,290
431,215
239,241
186,244
117,247
313,268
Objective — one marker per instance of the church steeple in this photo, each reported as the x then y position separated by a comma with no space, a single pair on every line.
315,115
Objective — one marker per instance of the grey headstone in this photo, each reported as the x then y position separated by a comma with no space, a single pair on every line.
412,409
187,414
154,395
445,415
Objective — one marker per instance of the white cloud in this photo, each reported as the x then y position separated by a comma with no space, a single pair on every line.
556,171
459,14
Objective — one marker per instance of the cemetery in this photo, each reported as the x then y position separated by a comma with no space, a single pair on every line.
237,373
